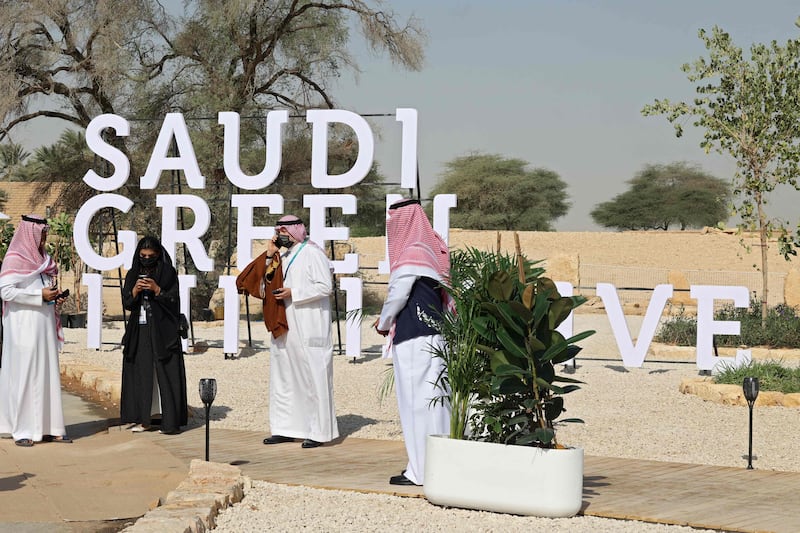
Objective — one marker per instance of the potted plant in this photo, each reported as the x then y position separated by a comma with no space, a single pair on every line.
63,251
501,353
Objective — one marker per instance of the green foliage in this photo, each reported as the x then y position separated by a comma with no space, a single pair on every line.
772,376
467,367
63,252
137,60
781,329
6,233
679,329
499,193
506,349
12,158
60,248
661,196
748,110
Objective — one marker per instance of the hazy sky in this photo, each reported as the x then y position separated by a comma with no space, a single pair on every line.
557,83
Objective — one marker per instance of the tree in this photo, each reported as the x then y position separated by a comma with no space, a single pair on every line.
664,195
498,193
749,110
75,59
12,159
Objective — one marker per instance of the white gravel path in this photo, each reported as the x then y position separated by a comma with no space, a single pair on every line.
633,412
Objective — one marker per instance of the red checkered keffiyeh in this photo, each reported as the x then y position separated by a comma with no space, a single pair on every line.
26,258
413,243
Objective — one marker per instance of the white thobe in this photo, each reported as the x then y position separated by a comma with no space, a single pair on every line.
30,382
301,361
416,371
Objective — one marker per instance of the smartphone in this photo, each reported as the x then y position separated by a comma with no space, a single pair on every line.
276,291
143,276
59,296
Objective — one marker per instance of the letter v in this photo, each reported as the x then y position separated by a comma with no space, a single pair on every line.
633,355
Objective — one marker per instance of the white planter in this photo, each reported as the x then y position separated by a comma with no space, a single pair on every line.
522,480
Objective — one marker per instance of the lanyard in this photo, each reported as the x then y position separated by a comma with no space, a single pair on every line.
293,258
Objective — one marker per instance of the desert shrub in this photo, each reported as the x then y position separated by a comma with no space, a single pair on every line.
772,376
782,328
679,329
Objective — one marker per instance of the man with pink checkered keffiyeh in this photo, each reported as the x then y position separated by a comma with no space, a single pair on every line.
301,360
30,382
419,264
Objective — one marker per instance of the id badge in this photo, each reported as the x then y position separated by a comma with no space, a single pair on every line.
142,315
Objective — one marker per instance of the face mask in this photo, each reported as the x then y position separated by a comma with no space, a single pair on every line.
148,261
283,241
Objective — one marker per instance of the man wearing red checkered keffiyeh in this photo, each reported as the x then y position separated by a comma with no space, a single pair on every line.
30,382
419,264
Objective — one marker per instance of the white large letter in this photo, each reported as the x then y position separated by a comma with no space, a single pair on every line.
272,164
320,234
173,127
94,311
230,335
319,148
185,284
80,233
352,286
707,326
442,204
171,235
408,158
246,233
95,142
633,356
567,326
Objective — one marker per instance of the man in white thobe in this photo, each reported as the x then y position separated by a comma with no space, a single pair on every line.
301,360
30,382
419,264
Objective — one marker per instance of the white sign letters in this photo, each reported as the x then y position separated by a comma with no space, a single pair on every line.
174,130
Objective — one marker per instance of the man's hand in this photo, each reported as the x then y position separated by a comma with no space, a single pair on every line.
50,293
272,248
380,331
284,293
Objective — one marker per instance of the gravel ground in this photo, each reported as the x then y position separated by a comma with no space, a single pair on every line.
628,412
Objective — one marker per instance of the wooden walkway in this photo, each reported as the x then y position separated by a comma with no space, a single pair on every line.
730,499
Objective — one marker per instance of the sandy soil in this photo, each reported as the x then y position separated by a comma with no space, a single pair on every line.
651,420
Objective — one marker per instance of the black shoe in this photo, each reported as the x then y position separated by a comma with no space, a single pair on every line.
308,443
277,439
401,480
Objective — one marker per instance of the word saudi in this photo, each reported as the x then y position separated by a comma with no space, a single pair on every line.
174,130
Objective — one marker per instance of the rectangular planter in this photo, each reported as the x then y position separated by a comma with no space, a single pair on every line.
522,480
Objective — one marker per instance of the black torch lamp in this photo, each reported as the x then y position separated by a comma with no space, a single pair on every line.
208,391
750,389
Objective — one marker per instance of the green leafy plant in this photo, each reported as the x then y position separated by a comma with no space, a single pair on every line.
502,349
6,233
781,329
63,251
772,376
465,365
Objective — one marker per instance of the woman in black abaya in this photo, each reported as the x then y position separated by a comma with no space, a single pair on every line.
153,372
